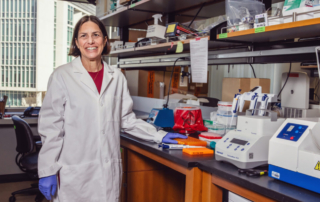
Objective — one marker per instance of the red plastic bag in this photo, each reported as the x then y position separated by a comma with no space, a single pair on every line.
188,120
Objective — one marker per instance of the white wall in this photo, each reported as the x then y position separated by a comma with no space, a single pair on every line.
270,71
45,18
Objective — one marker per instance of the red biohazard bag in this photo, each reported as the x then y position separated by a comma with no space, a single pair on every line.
188,120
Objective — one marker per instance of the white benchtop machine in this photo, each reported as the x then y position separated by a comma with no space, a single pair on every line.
294,153
247,146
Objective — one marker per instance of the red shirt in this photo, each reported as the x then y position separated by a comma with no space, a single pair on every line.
97,78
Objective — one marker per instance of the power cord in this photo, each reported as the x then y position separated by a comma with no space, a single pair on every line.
174,65
285,81
254,73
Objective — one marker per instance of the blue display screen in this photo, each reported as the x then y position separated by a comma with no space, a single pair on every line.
292,132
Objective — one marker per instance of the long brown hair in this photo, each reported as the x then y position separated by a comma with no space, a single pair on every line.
74,50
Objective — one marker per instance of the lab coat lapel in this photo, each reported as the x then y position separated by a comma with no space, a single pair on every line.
85,77
107,77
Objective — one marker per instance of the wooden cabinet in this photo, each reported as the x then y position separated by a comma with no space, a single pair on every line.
145,180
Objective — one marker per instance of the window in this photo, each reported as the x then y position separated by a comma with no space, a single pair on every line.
23,55
11,77
11,8
27,75
19,76
11,30
28,58
20,5
3,8
11,53
28,30
32,54
70,15
7,28
3,28
28,11
23,30
23,78
7,8
31,78
15,77
19,34
16,8
2,53
19,53
6,77
15,30
15,54
2,69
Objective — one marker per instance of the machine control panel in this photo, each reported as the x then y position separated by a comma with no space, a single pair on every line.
292,132
236,144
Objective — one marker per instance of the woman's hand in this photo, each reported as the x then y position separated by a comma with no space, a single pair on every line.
48,186
169,136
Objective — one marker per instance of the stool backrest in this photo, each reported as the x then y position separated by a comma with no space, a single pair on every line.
24,135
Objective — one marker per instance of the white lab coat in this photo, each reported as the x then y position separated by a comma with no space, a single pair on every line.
80,132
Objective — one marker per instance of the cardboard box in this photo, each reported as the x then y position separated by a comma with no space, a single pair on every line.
144,83
199,88
231,86
177,85
135,34
102,7
124,2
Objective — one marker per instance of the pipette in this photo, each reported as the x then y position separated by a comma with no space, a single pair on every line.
235,105
264,104
253,102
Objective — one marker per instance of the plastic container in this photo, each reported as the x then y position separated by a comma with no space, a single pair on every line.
224,114
218,129
228,129
224,106
209,139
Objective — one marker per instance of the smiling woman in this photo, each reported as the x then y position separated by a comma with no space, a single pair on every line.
86,105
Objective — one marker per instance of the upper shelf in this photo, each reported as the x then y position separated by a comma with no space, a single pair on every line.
166,48
299,29
142,11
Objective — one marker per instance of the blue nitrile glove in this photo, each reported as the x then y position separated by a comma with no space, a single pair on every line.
169,136
48,186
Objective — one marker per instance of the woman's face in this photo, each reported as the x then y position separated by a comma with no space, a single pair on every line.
90,41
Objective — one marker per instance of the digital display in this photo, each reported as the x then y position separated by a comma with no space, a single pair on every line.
290,128
237,141
260,20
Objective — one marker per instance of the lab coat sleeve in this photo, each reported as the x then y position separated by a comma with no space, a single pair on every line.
51,126
134,126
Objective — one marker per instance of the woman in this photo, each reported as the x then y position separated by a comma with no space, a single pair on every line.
86,104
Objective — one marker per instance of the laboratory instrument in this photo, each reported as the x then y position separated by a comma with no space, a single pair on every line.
156,31
261,20
294,153
247,146
177,29
295,96
161,117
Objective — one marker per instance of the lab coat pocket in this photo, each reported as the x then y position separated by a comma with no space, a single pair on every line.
81,183
112,107
117,177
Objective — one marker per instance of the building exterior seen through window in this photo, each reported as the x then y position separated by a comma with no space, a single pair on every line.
35,38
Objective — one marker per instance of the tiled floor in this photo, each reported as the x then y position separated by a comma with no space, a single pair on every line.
7,188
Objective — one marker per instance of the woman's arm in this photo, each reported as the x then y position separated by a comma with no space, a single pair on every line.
51,126
134,126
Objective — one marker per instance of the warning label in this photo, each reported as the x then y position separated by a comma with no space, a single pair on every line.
317,166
